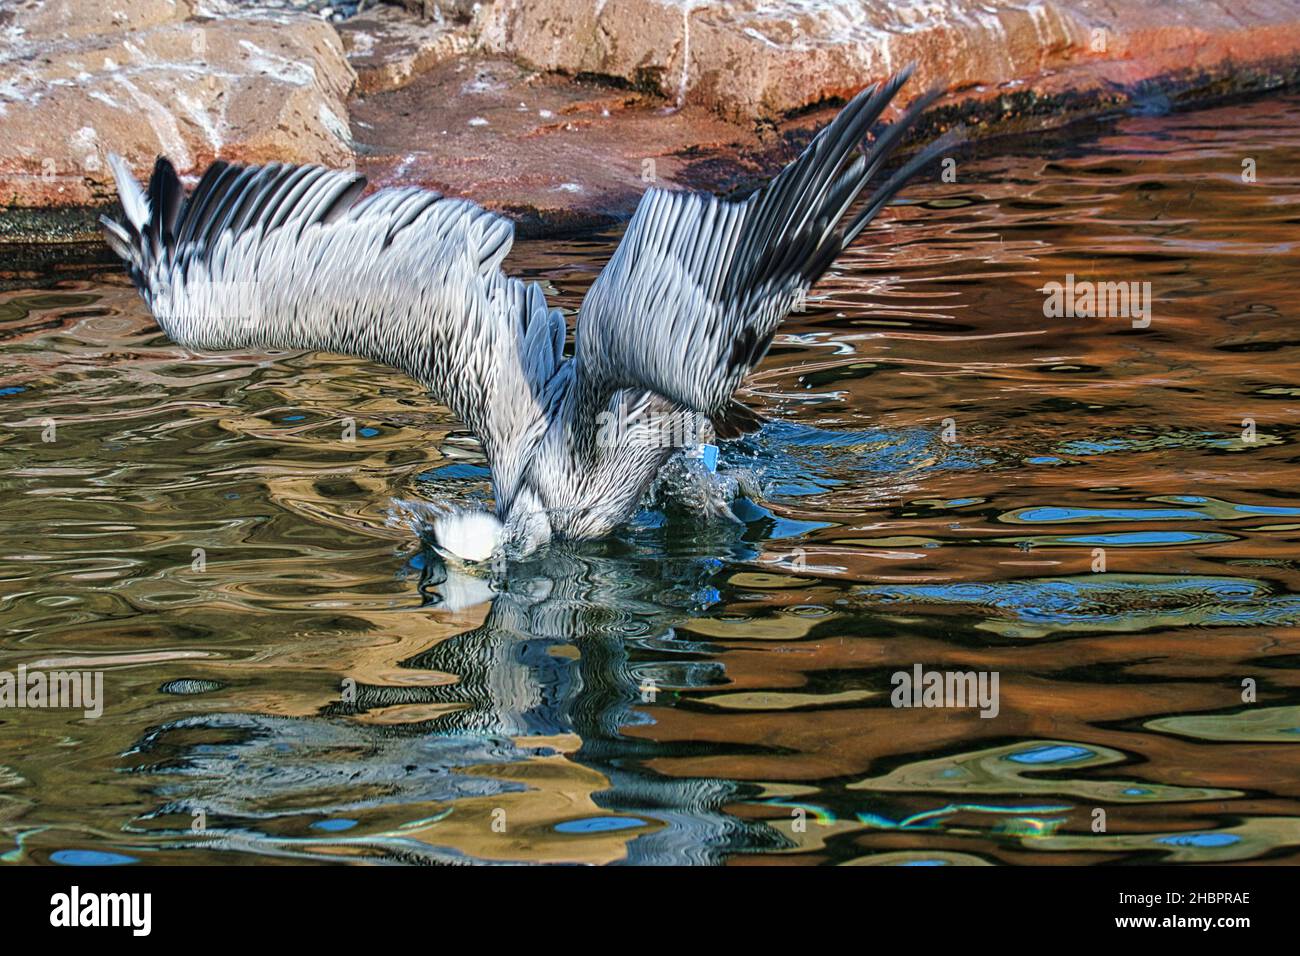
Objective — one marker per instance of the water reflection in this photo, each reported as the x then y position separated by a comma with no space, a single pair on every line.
1105,516
522,741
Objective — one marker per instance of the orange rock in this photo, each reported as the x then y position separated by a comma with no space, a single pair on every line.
762,59
388,49
255,89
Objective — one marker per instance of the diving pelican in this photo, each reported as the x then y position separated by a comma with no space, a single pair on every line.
292,257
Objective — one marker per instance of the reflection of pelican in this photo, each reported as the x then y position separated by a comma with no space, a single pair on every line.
287,257
567,657
558,651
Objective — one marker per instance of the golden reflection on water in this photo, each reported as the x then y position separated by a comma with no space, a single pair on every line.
285,663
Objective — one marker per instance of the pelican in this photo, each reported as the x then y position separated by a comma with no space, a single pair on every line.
293,257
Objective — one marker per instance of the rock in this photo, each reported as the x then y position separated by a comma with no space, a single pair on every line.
252,87
441,10
640,42
555,155
60,20
388,48
615,94
752,59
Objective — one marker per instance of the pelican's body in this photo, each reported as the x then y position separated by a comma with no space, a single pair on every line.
290,258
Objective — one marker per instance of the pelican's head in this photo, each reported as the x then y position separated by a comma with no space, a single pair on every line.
472,536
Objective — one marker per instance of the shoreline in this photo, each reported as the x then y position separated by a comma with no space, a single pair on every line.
31,238
560,151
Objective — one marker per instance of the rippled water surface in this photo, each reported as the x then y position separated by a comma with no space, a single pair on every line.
289,674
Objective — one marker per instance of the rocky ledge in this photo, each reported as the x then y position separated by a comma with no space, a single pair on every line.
559,112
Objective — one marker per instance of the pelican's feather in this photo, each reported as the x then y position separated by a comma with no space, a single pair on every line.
692,297
285,257
292,257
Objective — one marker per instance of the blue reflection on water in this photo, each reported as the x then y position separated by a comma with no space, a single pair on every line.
1201,839
91,858
1050,753
599,825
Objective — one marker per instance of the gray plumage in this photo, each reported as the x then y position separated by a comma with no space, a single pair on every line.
288,257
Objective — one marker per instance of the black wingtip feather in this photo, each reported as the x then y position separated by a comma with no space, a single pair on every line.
796,217
166,196
344,200
202,201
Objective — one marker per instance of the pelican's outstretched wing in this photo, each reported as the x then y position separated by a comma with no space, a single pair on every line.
694,293
286,257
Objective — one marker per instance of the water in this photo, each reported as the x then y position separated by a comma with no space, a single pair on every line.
311,685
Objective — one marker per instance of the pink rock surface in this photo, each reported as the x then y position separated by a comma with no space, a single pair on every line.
765,58
552,153
388,48
155,81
